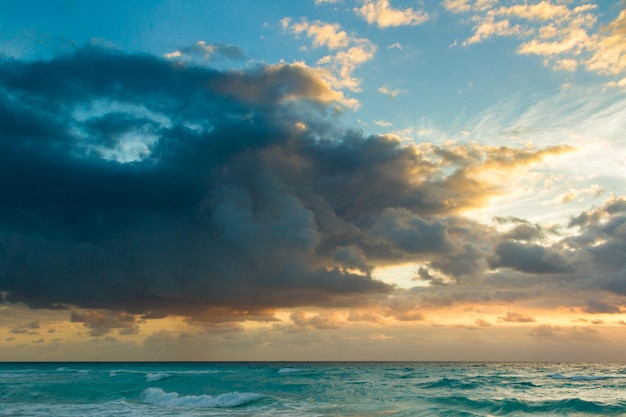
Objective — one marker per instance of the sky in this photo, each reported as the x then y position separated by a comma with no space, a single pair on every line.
313,180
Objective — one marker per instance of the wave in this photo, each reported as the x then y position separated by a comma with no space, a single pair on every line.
157,376
156,396
510,405
149,375
288,370
450,383
580,377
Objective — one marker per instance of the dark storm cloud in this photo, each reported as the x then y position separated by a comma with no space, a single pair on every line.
194,218
134,183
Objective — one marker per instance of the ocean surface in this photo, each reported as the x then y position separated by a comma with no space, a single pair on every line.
312,389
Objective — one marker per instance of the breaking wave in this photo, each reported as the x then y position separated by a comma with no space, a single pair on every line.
156,396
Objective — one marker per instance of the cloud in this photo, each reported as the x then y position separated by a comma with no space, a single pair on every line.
101,323
528,258
208,52
516,317
600,307
482,323
565,34
489,26
135,188
318,321
391,93
199,219
351,51
609,50
566,64
323,34
457,6
574,334
380,13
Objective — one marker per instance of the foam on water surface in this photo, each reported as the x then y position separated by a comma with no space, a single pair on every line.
157,396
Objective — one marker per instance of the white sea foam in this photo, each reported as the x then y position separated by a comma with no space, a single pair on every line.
157,376
288,370
156,396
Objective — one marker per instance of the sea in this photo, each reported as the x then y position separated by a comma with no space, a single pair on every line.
346,389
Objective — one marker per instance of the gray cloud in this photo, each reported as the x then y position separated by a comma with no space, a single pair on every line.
136,184
516,317
101,323
528,258
196,218
208,51
601,307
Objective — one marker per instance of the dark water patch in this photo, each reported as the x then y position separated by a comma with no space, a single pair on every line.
514,406
451,383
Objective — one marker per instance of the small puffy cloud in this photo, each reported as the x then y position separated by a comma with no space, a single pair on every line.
490,27
482,323
617,84
423,274
382,123
379,12
566,64
391,93
323,34
573,41
543,10
318,321
349,51
396,45
516,317
457,6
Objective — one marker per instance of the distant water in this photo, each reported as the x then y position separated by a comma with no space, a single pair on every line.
312,389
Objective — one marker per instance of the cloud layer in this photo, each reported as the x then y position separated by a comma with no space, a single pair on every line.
143,185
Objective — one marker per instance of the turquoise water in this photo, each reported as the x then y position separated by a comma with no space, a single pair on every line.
312,389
